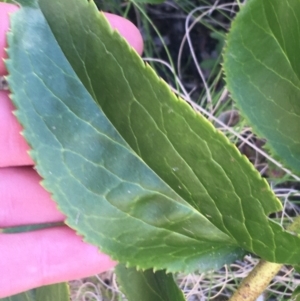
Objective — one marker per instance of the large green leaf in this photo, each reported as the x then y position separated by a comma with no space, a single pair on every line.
57,292
109,194
261,64
148,285
141,175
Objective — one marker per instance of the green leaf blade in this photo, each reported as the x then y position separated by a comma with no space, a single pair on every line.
176,142
158,123
57,292
148,285
128,210
262,72
170,191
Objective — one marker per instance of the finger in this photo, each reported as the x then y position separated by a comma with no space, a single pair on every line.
23,200
127,31
13,147
45,257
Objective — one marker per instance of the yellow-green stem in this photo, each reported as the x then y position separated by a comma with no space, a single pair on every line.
256,282
260,277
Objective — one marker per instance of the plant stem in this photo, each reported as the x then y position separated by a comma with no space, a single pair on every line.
259,278
256,282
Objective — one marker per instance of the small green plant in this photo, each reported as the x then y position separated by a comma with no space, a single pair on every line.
136,170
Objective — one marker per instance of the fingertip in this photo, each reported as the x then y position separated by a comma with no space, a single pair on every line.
127,30
5,10
29,204
45,257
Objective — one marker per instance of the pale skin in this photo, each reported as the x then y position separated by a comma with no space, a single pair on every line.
33,259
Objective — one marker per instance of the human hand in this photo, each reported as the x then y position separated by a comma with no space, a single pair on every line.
38,258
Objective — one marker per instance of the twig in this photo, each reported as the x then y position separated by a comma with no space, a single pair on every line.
259,278
256,282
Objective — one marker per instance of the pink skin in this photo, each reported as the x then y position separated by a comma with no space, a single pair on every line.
48,256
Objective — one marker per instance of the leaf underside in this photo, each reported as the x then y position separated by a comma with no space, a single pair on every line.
137,171
261,64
